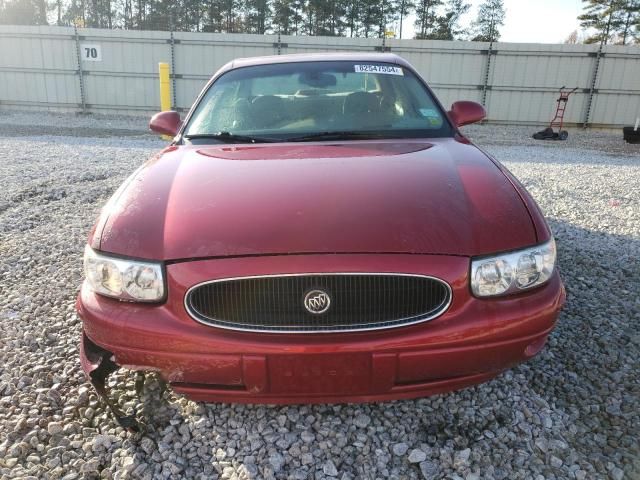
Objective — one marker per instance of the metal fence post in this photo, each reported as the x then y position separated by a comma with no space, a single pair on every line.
383,47
80,73
592,87
278,45
173,67
485,83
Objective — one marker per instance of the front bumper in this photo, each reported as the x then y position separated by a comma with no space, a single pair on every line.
470,343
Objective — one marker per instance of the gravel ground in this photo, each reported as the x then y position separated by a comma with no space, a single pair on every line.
570,413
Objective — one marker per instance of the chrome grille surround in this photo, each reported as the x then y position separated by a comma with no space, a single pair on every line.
299,327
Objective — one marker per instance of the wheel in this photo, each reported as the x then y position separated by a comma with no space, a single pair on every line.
563,135
631,135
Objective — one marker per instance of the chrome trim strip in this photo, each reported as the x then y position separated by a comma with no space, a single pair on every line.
230,326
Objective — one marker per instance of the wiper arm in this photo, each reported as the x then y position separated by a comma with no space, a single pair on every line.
344,135
228,137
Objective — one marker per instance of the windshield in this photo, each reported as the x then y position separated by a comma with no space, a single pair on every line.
311,99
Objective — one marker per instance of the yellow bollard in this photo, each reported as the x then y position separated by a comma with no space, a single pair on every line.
165,90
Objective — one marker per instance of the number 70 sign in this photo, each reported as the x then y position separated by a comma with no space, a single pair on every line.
90,52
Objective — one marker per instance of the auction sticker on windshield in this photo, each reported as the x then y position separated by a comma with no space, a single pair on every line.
386,69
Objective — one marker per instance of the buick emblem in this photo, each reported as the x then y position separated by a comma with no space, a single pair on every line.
317,301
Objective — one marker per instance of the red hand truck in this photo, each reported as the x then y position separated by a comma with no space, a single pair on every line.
558,120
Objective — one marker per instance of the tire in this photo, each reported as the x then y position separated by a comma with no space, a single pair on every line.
630,135
563,135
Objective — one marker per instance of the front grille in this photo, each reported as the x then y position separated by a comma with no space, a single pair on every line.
357,302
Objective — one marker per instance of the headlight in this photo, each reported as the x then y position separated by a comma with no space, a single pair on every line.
131,280
513,272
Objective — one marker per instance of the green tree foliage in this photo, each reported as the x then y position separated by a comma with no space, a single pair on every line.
353,9
490,18
355,18
24,12
611,21
627,23
426,17
324,17
283,11
403,8
599,16
448,24
371,15
257,16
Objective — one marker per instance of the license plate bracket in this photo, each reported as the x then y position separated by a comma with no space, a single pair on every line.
336,373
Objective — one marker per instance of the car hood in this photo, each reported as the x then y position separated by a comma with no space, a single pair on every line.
425,197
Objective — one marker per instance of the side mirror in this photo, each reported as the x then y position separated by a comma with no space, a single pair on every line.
466,112
166,123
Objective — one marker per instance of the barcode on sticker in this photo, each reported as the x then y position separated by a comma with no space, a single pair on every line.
386,69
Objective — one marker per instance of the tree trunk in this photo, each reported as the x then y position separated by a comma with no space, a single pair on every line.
402,7
426,22
627,25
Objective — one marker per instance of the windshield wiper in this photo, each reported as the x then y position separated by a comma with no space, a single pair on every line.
228,137
340,135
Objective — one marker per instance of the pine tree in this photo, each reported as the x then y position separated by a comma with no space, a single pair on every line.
23,12
311,16
352,16
426,17
628,26
601,16
74,14
388,15
371,15
98,14
490,18
58,11
188,15
282,15
159,15
448,23
212,17
230,22
296,20
257,16
404,8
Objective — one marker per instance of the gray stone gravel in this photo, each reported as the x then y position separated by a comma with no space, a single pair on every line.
570,413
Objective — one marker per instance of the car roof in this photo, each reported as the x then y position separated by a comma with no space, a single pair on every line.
317,57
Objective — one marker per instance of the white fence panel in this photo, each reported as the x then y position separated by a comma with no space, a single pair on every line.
618,84
127,77
453,69
40,67
198,56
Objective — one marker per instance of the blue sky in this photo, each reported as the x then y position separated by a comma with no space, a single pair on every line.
535,21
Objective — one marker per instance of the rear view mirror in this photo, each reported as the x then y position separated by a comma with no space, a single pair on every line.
317,79
465,112
166,123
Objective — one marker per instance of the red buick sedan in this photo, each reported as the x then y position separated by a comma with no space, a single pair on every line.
318,230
